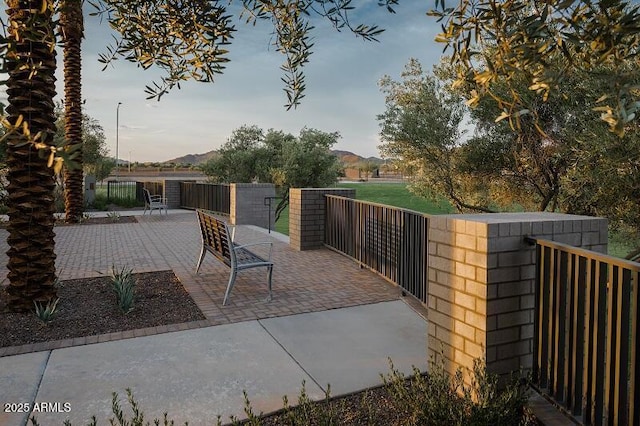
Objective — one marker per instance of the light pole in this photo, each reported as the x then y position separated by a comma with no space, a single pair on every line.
117,129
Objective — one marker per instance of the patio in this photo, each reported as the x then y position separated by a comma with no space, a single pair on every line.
198,370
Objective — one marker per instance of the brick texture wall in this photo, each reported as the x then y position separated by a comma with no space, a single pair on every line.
171,190
306,215
481,283
248,206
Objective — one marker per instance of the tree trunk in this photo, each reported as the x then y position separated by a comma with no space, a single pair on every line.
71,22
31,66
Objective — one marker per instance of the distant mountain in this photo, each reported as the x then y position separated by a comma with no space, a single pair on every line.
194,159
349,158
345,157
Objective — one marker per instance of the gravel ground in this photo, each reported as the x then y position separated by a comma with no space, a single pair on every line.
88,307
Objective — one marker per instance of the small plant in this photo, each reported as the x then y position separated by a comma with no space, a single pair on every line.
85,217
45,312
114,216
123,284
438,398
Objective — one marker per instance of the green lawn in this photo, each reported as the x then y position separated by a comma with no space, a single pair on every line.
397,194
392,194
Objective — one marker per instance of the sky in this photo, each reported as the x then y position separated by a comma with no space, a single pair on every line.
341,79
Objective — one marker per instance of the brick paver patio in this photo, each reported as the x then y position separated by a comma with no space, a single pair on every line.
302,281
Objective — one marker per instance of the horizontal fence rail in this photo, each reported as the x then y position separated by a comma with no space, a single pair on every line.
388,240
586,333
206,196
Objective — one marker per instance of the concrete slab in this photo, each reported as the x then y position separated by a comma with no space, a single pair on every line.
19,379
193,375
349,348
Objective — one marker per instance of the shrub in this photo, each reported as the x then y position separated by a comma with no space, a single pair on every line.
114,216
123,284
438,398
46,312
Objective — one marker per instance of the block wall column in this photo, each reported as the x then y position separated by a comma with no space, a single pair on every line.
248,205
482,283
306,215
171,191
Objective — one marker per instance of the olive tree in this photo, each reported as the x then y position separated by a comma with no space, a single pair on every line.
545,43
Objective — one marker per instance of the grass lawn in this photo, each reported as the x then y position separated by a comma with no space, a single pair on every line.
393,194
397,194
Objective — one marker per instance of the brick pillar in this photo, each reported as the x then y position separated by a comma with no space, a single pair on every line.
171,191
248,206
306,215
481,283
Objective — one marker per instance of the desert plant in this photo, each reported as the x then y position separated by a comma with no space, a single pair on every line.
123,283
114,216
438,398
46,312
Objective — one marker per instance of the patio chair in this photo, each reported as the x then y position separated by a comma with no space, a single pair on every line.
153,202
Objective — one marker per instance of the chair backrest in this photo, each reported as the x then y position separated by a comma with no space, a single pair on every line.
147,195
215,237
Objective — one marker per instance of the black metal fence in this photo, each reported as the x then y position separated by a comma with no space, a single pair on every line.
388,240
207,196
131,190
586,345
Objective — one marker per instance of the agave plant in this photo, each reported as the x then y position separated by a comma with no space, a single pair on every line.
123,284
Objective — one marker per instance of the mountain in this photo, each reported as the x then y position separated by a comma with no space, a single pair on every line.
194,159
349,158
345,157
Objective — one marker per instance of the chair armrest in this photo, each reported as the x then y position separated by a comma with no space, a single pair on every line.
158,199
264,243
232,229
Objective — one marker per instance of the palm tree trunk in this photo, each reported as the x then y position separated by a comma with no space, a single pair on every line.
31,66
71,22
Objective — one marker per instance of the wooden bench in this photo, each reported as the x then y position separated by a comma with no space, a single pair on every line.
217,240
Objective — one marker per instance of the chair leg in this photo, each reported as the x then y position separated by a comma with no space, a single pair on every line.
232,280
270,274
202,253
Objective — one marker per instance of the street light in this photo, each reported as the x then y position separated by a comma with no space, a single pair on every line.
117,129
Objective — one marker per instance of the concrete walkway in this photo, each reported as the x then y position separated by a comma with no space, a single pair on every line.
330,322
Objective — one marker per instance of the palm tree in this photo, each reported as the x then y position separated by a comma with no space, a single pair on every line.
31,64
72,29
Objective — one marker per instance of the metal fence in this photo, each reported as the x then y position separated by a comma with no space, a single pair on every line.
207,196
131,190
389,240
586,345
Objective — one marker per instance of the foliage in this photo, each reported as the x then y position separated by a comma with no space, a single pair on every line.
421,128
45,312
439,399
94,143
162,33
123,283
114,216
557,161
544,44
287,161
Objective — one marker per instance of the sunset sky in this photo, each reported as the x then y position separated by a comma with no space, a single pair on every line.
342,87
